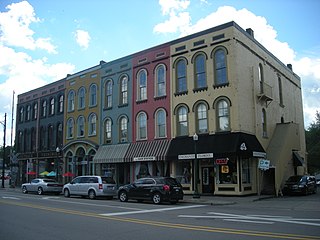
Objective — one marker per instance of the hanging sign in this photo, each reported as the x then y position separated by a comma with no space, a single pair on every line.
222,161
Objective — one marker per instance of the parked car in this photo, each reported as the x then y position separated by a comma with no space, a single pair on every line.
91,186
41,186
300,184
156,189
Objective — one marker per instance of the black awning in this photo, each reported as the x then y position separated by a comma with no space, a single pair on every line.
297,159
218,145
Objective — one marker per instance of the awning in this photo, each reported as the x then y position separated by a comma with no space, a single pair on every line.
148,151
218,145
111,153
297,159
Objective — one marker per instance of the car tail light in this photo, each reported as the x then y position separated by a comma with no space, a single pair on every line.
100,186
166,187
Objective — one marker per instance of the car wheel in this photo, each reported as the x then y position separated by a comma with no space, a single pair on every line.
156,198
123,196
66,193
40,191
24,190
91,194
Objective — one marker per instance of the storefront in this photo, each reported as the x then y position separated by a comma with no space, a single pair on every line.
227,163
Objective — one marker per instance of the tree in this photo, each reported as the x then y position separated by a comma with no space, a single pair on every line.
313,145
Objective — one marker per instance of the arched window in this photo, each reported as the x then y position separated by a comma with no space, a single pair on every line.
70,124
43,138
142,126
108,97
142,85
35,111
264,123
61,104
220,67
33,139
182,121
160,83
93,95
71,101
124,90
92,124
44,108
202,118
161,127
123,129
261,77
50,138
28,113
21,114
223,115
108,131
52,106
20,142
80,126
59,134
200,71
81,98
181,76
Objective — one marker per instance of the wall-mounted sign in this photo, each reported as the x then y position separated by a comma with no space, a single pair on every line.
225,169
140,159
243,147
264,164
186,156
222,161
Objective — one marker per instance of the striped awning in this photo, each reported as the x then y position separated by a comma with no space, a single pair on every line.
111,153
148,151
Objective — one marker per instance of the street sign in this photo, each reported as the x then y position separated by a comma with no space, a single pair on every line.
264,164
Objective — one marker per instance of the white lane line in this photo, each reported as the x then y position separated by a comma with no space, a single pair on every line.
13,198
150,210
247,221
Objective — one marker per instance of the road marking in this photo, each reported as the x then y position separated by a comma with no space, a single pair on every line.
150,210
49,198
262,219
14,198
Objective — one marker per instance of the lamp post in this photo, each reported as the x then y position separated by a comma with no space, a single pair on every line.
4,146
57,164
196,168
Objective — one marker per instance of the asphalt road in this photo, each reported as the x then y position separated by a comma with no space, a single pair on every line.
29,216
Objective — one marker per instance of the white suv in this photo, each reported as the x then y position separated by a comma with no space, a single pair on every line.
91,186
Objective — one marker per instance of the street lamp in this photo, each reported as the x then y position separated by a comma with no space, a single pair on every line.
4,146
57,164
196,167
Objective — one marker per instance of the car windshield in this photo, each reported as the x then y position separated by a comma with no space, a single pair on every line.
295,179
107,180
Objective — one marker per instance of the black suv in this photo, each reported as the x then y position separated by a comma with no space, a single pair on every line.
156,189
300,184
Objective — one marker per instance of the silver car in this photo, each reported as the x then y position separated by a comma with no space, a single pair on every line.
41,186
91,186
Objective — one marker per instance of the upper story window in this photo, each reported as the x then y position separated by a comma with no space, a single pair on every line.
71,101
161,126
28,113
70,125
142,126
220,67
261,77
160,84
182,121
21,114
280,91
35,111
200,71
108,99
59,134
124,90
181,76
202,118
92,124
50,138
142,85
52,106
42,138
44,108
93,95
123,129
264,123
108,131
80,126
82,98
61,104
223,115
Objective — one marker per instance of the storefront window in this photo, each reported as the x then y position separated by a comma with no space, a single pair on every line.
246,171
183,174
227,173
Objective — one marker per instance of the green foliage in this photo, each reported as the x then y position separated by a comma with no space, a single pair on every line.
313,145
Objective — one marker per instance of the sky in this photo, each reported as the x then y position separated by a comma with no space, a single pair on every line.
41,41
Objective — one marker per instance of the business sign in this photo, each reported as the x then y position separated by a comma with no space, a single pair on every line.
222,161
186,156
144,159
264,164
205,155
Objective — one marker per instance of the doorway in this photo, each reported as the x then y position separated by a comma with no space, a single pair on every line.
208,180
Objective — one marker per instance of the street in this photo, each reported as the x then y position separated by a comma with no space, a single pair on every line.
30,216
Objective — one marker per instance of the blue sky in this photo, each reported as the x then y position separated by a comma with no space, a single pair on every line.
43,40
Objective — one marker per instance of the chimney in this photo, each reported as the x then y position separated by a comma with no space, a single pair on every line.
250,31
289,66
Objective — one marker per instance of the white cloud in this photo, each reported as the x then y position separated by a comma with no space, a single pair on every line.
82,38
308,68
15,28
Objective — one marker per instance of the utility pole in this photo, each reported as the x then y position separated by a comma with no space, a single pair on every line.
4,146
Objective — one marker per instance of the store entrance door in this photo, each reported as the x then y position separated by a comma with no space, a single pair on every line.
208,180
